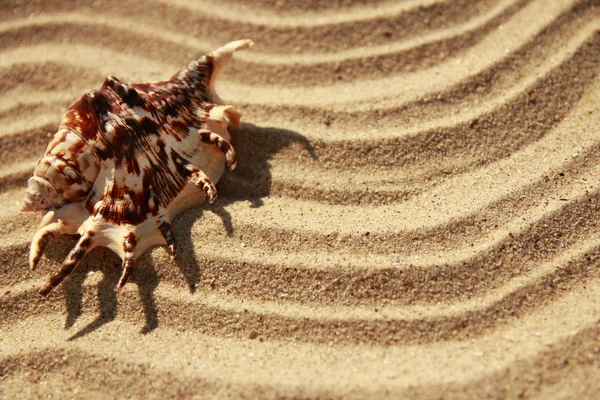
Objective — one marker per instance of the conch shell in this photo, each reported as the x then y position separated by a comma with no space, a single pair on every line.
128,158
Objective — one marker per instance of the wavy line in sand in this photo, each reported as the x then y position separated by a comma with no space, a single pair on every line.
255,67
537,225
575,264
387,232
351,278
501,348
450,73
303,6
549,86
252,15
558,77
569,362
553,61
558,223
447,189
510,170
285,39
444,146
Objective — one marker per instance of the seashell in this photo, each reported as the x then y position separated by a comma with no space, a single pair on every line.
128,158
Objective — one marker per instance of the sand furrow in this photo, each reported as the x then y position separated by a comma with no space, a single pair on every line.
31,144
576,264
495,174
541,186
60,26
501,348
573,355
576,24
278,321
396,233
546,99
362,276
449,72
332,126
303,6
360,91
260,16
257,67
447,144
283,36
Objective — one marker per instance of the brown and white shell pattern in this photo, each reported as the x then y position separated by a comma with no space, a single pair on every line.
128,158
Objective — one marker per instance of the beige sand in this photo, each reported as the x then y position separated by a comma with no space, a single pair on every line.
414,213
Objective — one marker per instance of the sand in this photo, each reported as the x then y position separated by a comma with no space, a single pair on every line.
414,213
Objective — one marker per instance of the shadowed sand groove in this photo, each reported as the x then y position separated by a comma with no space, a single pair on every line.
285,37
405,55
414,213
261,16
306,7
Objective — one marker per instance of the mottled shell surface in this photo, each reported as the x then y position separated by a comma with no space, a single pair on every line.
128,158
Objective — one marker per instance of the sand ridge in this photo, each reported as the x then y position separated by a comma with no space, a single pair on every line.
413,214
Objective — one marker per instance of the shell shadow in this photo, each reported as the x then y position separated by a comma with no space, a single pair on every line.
107,297
100,259
109,264
255,145
251,181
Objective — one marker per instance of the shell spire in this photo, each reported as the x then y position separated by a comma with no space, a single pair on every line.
128,158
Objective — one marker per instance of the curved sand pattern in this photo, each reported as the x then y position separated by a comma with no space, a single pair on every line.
413,214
